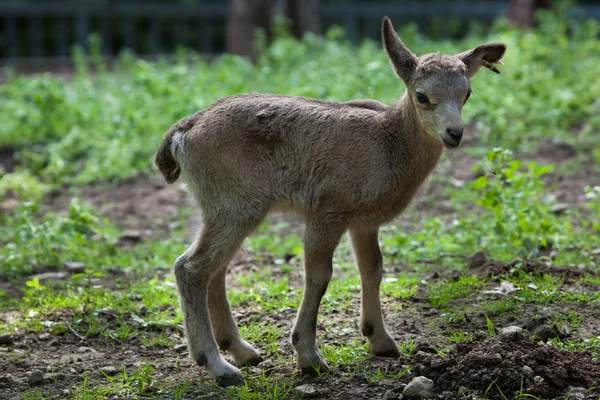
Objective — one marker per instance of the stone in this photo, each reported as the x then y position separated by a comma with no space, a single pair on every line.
51,276
478,259
35,377
74,267
307,390
527,371
390,395
7,378
267,364
6,339
509,330
576,393
419,388
180,348
44,336
132,236
51,376
109,370
496,349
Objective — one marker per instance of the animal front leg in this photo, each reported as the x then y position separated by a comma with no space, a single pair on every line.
370,265
320,242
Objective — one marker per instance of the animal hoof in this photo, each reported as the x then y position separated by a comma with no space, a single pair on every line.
315,369
253,361
230,380
389,353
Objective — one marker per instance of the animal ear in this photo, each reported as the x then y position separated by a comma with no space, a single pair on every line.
401,58
483,55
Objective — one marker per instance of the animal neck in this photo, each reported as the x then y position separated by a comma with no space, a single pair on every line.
403,118
419,149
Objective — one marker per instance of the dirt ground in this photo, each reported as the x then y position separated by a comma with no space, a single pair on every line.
513,360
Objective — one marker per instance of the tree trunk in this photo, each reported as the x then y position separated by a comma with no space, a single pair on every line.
521,12
304,16
245,16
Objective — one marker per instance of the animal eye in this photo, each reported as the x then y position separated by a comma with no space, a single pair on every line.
468,95
422,98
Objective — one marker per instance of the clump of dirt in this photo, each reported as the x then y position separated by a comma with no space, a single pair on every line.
494,268
508,363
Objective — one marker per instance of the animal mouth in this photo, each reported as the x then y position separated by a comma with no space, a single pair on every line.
448,143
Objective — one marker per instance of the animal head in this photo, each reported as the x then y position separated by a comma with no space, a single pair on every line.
439,85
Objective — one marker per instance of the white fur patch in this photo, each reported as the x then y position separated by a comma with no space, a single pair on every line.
177,143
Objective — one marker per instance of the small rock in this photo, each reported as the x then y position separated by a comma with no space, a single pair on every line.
180,348
6,339
7,378
109,370
84,349
44,336
390,395
544,332
132,236
50,376
509,330
419,388
306,390
34,377
559,208
478,259
267,364
74,267
596,252
576,393
496,349
527,371
432,312
51,276
538,380
498,357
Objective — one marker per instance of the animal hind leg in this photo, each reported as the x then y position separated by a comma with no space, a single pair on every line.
225,329
208,256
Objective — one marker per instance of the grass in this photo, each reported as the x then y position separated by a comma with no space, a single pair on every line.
101,128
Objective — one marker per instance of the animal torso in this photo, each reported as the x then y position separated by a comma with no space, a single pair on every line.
360,159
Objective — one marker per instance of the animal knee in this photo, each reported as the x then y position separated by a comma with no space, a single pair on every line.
179,269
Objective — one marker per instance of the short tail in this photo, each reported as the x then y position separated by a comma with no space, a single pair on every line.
164,160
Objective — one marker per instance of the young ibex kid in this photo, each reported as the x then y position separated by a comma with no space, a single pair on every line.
341,166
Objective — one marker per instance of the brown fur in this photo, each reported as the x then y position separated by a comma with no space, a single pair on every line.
342,166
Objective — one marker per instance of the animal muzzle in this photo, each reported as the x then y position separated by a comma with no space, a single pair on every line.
452,137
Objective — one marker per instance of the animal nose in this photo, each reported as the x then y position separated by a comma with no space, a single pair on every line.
455,134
